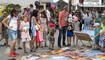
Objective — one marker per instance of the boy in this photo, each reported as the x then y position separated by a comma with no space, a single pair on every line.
97,30
51,35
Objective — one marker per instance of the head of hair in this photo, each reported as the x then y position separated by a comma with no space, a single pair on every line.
35,13
13,12
101,31
25,9
25,16
44,13
31,5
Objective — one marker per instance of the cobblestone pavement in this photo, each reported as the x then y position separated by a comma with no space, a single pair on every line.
4,51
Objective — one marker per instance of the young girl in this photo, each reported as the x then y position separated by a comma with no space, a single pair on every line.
12,29
44,22
33,28
51,35
70,29
39,33
25,33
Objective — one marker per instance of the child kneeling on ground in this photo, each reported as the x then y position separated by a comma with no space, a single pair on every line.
51,35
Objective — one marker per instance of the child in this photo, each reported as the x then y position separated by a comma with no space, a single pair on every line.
39,33
76,29
97,30
102,40
70,29
51,35
25,33
44,23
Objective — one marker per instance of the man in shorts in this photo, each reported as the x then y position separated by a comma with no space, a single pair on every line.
4,33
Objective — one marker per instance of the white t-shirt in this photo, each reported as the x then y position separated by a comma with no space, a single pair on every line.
13,22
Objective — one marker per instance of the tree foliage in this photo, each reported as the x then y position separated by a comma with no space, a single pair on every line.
13,6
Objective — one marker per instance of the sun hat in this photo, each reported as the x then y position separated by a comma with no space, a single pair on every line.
96,24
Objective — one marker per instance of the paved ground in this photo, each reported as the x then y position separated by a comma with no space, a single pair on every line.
4,51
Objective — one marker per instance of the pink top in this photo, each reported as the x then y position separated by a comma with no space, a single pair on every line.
63,18
25,26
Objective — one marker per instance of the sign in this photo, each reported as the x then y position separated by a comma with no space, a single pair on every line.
91,0
92,3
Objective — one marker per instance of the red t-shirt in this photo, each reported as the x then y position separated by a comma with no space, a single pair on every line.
63,18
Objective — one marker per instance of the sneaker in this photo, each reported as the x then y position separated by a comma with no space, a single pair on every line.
7,45
52,49
19,48
95,49
4,44
12,55
25,52
31,50
16,53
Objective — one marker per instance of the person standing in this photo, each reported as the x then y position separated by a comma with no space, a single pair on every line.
63,17
4,32
18,30
25,33
12,29
33,28
44,23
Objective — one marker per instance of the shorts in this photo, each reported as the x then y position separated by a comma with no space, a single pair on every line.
69,34
12,34
102,43
97,41
5,34
51,40
26,39
33,33
18,34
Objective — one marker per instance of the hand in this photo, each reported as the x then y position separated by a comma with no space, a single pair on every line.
60,28
9,27
25,30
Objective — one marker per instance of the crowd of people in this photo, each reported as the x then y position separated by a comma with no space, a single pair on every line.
39,26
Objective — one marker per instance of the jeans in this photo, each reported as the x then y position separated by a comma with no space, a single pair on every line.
12,34
62,32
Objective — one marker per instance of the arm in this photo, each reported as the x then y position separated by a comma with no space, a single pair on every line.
59,20
34,19
21,27
50,36
72,27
